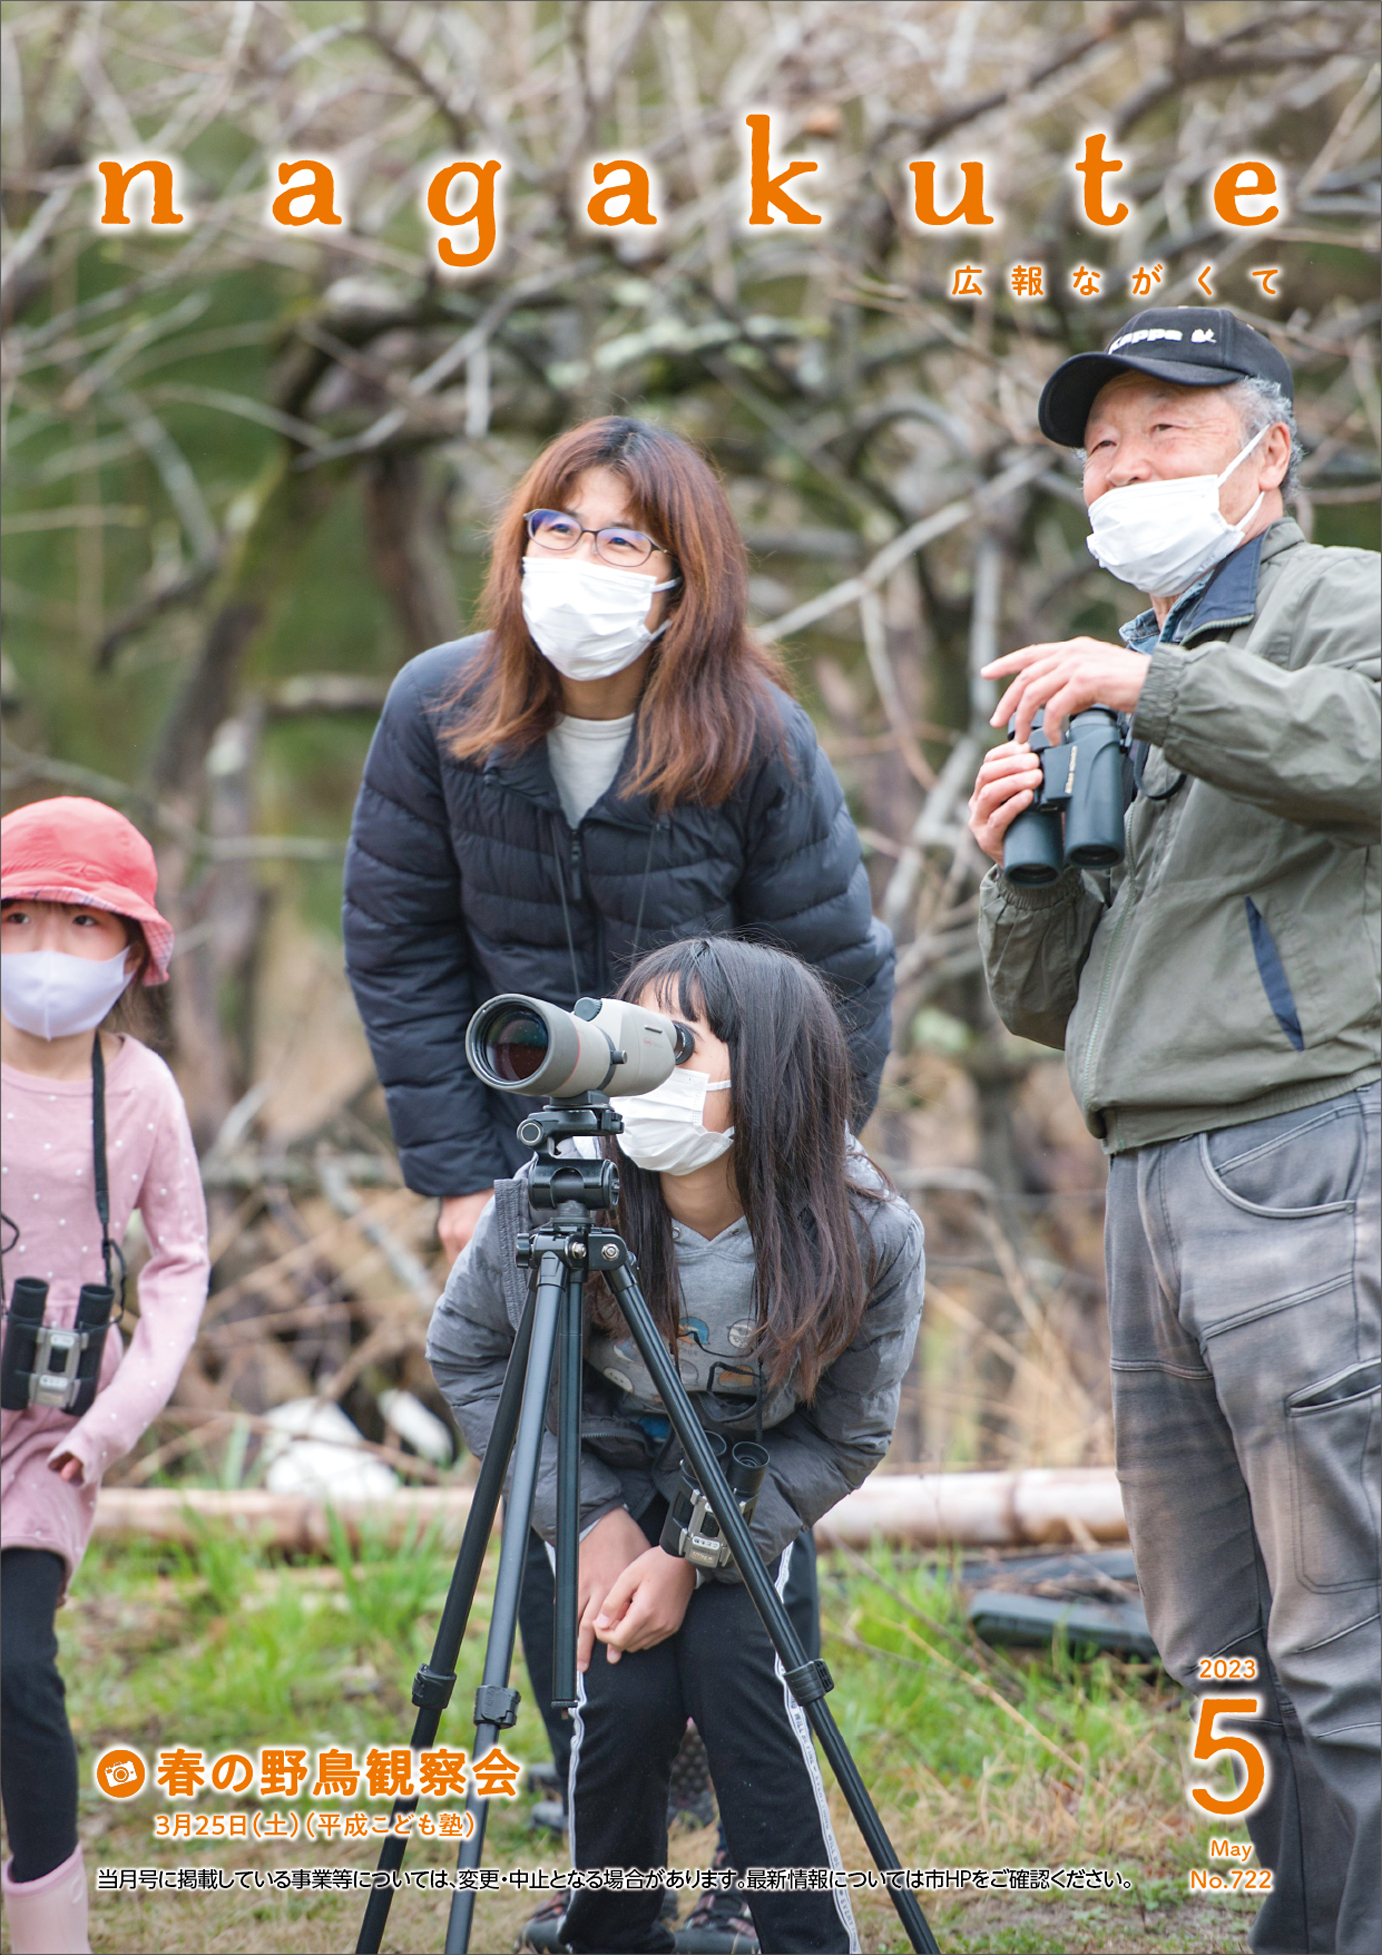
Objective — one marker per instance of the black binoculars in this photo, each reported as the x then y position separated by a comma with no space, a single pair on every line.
691,1529
1077,815
42,1365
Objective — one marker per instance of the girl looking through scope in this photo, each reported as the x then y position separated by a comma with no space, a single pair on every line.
787,1277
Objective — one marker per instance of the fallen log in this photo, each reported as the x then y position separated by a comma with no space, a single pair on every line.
1030,1507
289,1522
1024,1508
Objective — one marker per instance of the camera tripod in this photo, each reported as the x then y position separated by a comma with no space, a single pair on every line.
560,1254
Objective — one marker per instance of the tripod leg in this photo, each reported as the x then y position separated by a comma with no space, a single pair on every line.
495,1703
569,1359
808,1681
434,1682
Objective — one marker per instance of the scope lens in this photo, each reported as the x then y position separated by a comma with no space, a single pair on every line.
515,1043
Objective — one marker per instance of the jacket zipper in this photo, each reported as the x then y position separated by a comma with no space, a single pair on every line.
1103,994
1133,895
1217,625
599,975
1091,1050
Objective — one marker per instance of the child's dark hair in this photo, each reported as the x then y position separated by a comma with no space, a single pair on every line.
790,1099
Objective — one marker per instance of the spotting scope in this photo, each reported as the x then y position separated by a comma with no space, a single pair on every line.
523,1045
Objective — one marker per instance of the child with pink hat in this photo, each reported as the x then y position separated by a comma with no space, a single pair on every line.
93,1128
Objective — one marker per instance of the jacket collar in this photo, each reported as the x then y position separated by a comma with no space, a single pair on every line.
524,770
1229,598
528,771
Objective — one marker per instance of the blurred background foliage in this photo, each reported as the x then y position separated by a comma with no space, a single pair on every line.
250,471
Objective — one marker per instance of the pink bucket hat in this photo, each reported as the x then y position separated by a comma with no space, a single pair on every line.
71,850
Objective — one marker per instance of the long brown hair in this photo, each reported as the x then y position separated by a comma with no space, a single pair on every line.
706,701
790,1093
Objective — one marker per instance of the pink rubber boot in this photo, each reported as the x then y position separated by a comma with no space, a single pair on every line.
48,1916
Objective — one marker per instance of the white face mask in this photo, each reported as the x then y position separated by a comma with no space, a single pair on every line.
586,617
52,994
665,1130
1162,536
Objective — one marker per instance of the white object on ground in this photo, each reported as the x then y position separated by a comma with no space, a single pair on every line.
318,1453
423,1430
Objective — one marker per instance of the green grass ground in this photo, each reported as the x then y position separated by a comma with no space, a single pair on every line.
973,1759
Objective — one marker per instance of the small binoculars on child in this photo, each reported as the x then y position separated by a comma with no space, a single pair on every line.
691,1529
43,1365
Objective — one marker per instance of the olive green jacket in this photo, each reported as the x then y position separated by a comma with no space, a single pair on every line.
1234,974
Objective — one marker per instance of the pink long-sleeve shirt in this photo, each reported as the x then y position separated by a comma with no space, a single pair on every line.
48,1189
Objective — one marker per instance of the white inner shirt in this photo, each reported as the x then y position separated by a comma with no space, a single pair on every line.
585,757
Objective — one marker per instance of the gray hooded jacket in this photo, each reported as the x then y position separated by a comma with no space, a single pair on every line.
818,1452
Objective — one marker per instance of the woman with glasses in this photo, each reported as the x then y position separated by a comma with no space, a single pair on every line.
611,764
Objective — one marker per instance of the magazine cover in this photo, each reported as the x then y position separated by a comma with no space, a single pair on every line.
690,993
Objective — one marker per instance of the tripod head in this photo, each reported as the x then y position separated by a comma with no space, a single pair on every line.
555,1181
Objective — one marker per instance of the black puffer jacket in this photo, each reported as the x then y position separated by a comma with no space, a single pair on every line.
464,879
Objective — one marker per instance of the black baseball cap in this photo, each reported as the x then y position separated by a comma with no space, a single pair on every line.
1190,345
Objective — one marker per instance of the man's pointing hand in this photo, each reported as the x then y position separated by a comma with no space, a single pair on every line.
1065,678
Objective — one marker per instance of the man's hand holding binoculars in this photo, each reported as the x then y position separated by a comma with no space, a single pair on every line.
1064,679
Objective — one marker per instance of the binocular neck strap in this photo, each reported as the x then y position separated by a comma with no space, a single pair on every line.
1139,763
9,1235
109,1250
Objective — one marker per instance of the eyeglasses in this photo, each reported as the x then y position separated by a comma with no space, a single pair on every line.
554,529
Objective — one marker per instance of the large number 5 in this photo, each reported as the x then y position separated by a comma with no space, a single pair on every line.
1209,1742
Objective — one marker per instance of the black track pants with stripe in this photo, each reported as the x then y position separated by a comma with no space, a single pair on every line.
720,1669
535,1603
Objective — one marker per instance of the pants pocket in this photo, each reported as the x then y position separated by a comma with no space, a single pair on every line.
1333,1431
1290,1165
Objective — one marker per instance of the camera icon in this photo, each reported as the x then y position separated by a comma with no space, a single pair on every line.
120,1774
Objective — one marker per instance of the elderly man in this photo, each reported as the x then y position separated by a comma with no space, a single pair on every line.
1216,997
